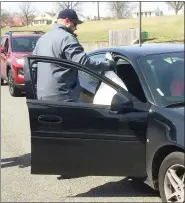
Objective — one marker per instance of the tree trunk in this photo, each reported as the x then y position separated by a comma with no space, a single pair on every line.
27,21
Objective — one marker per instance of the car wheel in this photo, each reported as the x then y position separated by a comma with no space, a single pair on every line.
2,82
14,91
171,178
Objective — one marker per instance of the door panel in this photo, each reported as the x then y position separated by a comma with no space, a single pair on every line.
80,139
89,140
85,157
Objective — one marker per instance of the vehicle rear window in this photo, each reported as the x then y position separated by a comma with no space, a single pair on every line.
24,44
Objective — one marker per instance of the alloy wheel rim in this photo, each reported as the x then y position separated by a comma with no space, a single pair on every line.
174,183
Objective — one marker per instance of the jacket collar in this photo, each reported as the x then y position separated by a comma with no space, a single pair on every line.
58,25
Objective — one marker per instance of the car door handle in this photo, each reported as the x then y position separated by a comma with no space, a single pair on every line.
46,119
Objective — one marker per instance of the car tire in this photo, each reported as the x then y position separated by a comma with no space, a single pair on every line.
2,82
172,166
14,91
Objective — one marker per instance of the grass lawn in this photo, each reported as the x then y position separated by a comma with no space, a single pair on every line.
160,29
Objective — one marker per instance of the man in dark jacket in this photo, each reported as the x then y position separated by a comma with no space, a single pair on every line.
53,82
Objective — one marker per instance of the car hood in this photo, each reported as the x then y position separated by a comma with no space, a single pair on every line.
20,55
177,111
175,114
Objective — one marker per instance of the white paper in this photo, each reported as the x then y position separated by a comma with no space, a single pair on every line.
105,93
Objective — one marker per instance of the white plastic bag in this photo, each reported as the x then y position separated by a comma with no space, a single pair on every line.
105,93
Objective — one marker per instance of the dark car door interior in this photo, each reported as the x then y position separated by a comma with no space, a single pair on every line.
79,139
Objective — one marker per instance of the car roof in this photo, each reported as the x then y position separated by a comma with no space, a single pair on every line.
24,35
27,35
136,51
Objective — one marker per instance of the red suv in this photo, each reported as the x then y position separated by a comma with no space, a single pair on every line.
13,48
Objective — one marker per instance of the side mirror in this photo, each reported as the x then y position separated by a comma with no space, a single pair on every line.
3,49
120,102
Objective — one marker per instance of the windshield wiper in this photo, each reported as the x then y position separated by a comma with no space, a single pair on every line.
176,104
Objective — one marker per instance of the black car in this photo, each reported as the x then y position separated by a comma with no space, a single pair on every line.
141,134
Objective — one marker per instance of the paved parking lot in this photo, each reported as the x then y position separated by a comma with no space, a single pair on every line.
18,185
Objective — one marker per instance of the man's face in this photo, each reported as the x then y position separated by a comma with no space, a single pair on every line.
71,24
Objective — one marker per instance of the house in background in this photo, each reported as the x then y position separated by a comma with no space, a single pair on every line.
158,9
148,13
45,18
18,22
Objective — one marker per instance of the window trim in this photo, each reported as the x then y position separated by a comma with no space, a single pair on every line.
94,88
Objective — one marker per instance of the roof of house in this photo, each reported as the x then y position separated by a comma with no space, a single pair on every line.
144,10
17,20
49,16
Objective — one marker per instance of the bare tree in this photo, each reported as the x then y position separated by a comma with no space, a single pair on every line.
75,5
120,9
27,11
6,17
176,5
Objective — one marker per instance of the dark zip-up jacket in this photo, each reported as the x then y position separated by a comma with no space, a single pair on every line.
53,82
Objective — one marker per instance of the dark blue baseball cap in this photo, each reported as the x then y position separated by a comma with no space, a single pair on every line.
71,14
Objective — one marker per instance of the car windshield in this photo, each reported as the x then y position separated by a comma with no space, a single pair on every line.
164,74
24,44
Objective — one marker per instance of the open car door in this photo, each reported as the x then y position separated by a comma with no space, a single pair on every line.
80,139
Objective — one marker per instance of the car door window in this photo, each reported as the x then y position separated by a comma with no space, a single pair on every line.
86,95
89,82
105,92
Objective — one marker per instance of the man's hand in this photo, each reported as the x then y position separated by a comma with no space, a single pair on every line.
108,56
